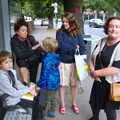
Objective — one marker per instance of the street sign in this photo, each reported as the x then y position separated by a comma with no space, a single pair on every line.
55,5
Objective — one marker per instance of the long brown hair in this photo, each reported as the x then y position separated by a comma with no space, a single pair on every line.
74,26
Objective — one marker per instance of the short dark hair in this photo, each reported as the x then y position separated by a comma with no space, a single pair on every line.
107,23
3,55
20,22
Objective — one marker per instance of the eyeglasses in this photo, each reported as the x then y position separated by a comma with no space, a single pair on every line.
114,26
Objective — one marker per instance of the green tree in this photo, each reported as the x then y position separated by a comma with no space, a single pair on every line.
35,8
110,6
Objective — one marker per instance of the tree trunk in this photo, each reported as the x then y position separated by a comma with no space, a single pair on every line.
75,6
50,25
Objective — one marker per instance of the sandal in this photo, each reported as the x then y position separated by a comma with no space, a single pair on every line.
62,110
75,109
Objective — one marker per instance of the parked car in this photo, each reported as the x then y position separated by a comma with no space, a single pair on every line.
37,22
96,23
57,23
44,22
28,19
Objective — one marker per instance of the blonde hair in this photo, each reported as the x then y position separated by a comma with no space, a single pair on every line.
4,55
49,44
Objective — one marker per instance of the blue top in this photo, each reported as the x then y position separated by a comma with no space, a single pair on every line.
67,46
50,77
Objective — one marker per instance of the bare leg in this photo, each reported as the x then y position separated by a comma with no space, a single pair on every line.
62,109
62,96
75,108
24,74
74,92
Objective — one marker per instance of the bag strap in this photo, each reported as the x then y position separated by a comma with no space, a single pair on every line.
114,53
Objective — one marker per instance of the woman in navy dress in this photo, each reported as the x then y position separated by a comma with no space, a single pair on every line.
69,38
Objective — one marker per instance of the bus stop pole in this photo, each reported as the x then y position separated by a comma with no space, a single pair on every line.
4,26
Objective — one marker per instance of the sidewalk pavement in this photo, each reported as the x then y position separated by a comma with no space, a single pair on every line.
83,102
85,113
83,99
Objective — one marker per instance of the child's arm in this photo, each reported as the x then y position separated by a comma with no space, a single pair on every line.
36,46
7,88
19,84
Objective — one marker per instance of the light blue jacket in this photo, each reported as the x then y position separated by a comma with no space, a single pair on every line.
14,95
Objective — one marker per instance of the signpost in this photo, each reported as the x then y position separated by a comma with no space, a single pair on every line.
4,26
55,6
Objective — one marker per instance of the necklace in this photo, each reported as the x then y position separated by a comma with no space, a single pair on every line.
112,42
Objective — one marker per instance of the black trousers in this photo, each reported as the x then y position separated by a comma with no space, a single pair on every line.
110,112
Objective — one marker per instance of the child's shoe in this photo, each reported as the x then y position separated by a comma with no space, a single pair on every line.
44,117
62,110
75,109
52,114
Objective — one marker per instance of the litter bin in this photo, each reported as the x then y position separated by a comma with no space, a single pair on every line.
88,43
88,49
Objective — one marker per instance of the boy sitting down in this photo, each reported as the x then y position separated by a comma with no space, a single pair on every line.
11,89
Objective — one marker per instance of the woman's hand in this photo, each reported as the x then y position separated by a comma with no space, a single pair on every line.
77,46
92,71
94,75
91,68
